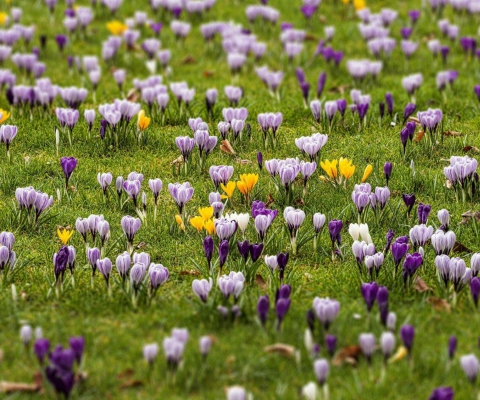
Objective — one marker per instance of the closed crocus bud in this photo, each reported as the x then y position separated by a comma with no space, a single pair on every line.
310,391
387,342
469,365
369,293
263,306
387,170
391,321
382,300
322,370
442,393
444,218
202,288
407,333
331,344
150,352
365,233
475,290
223,252
77,344
452,346
205,343
26,334
354,231
367,345
208,248
318,222
119,185
255,251
271,262
236,393
41,348
260,160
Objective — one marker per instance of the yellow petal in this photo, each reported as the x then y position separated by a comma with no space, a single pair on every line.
4,115
401,353
64,234
209,226
229,188
180,223
367,172
206,212
197,223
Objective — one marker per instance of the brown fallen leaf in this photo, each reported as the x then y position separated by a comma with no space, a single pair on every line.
471,148
419,136
448,184
347,355
15,387
260,282
178,160
439,304
226,147
189,272
131,383
299,202
243,162
339,89
270,200
310,38
284,350
466,216
141,245
414,119
128,373
460,248
420,285
208,74
133,95
188,60
452,133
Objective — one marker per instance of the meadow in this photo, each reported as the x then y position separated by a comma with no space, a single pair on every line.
269,356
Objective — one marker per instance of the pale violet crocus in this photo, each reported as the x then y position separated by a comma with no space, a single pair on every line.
318,224
294,219
241,219
202,288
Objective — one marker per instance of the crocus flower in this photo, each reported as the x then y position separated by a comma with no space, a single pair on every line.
408,111
223,250
68,165
452,346
442,393
369,294
331,344
367,344
326,310
407,333
409,200
334,228
181,193
475,290
202,288
263,306
469,365
411,264
322,369
41,348
387,343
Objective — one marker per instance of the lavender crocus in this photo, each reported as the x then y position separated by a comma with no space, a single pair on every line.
369,294
68,165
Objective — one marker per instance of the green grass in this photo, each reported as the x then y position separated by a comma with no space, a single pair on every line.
115,332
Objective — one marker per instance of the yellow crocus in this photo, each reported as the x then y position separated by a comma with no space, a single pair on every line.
247,183
4,115
65,234
197,222
209,226
180,223
116,27
330,167
367,172
359,4
346,168
142,120
206,212
228,189
3,18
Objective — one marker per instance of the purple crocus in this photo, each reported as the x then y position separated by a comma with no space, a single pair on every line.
409,200
411,264
68,165
41,348
442,393
387,171
408,111
331,344
382,300
369,294
334,228
263,306
475,289
77,344
321,83
223,250
407,333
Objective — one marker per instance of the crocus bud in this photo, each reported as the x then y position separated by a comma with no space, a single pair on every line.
469,365
444,218
26,334
331,344
223,252
208,248
322,370
407,333
367,345
260,160
263,306
452,346
387,342
150,352
387,170
205,343
391,321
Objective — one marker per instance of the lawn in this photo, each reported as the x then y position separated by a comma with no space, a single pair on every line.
116,327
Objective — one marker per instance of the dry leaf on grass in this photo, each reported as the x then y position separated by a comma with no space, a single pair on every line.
189,272
178,160
284,350
208,74
452,133
133,95
227,147
15,387
243,162
420,285
270,200
471,148
414,119
439,304
260,282
460,248
419,136
188,60
347,355
131,383
466,216
128,373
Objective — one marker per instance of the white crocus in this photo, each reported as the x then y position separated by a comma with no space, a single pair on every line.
365,234
310,391
354,231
